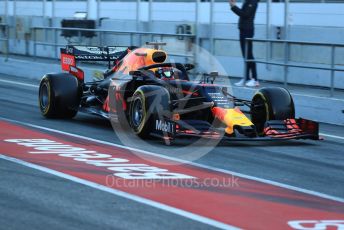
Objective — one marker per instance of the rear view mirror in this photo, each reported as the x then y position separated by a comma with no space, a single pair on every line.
189,66
141,74
135,73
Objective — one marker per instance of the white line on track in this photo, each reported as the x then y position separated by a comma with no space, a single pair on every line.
18,83
36,86
278,184
129,196
332,136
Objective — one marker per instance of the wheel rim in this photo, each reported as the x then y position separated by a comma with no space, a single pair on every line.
137,113
44,96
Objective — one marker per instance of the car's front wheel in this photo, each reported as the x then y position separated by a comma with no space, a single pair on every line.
271,103
138,117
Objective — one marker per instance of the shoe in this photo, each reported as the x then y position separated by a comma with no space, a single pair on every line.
240,83
252,83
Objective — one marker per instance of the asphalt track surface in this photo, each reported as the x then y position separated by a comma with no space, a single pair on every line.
32,199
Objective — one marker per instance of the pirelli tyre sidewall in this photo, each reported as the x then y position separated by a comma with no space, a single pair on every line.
148,104
271,103
59,95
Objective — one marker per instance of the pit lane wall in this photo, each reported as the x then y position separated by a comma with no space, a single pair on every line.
308,105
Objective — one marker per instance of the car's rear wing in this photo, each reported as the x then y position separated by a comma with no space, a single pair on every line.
71,54
95,53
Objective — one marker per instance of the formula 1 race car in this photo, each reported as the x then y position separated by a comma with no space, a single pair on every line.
157,98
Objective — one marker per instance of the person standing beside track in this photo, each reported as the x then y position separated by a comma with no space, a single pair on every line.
246,28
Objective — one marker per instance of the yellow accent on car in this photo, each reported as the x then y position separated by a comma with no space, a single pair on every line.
49,99
144,118
235,117
98,75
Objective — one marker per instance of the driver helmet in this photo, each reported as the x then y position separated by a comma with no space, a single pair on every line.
164,73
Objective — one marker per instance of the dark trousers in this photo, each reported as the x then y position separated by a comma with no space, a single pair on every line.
251,66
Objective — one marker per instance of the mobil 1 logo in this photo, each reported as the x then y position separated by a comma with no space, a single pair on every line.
165,126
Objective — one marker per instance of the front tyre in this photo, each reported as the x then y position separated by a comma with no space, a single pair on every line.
149,103
271,103
138,117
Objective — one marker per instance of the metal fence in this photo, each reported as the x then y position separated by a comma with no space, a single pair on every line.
95,9
46,8
286,62
4,38
137,38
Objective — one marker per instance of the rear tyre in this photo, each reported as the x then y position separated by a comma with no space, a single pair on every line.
59,96
273,103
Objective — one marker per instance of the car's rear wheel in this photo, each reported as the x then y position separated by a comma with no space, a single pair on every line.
273,103
44,96
59,96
